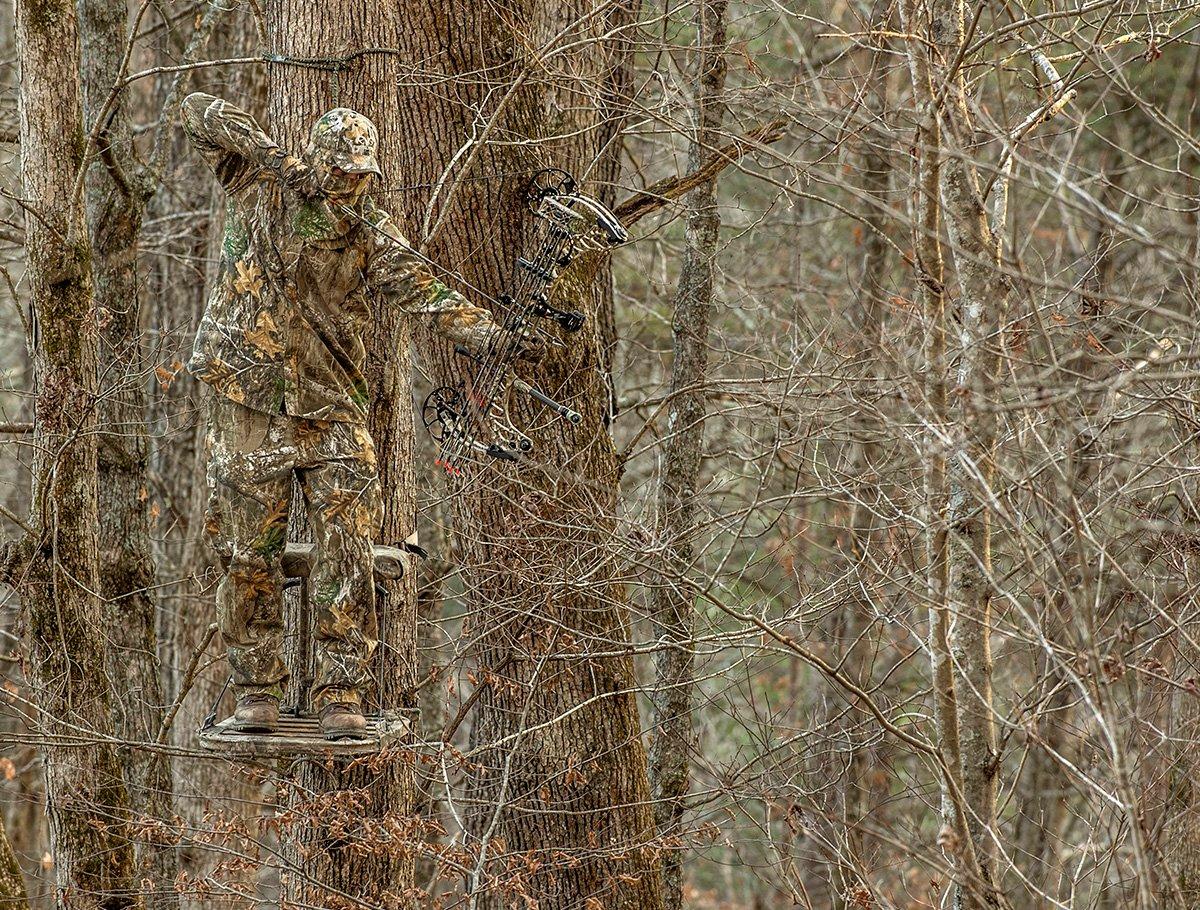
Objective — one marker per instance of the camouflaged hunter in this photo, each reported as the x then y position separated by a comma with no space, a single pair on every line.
282,344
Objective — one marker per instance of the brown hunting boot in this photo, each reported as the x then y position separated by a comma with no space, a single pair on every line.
256,714
343,721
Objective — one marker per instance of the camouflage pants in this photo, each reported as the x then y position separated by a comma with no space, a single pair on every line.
253,458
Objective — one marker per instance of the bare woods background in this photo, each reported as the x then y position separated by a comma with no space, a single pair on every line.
871,578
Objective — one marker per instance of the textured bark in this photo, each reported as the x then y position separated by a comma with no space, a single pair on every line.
12,885
327,868
204,788
117,192
432,708
558,807
87,800
672,606
955,534
930,269
867,354
985,292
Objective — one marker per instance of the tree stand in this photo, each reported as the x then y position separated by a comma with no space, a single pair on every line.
299,732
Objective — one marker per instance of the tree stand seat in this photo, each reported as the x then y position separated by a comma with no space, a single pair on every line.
390,562
299,731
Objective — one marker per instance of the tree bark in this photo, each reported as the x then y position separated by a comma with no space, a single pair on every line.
117,191
558,800
432,706
87,800
672,607
205,791
373,861
12,885
868,357
930,275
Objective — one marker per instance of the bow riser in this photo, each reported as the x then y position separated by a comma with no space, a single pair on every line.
452,415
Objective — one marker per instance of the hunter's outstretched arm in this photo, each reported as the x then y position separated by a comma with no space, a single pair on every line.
233,144
396,271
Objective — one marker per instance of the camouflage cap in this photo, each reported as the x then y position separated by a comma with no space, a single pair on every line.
344,139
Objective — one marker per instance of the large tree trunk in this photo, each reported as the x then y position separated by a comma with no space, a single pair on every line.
559,799
325,867
673,597
87,800
117,192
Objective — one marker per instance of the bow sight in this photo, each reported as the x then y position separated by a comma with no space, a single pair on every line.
458,416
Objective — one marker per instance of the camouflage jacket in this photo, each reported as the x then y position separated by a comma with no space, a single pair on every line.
284,326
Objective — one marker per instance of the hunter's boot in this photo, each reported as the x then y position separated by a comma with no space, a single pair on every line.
343,721
256,714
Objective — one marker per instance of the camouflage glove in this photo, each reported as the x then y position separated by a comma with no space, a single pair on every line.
524,344
298,176
486,339
293,173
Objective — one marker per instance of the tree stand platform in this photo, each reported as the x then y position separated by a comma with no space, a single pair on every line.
301,735
299,731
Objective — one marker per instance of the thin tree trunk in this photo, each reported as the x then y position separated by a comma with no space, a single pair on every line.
326,868
203,787
866,332
19,828
970,433
672,607
930,269
117,192
87,800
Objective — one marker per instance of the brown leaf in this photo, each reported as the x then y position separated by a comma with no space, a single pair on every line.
249,279
262,336
165,377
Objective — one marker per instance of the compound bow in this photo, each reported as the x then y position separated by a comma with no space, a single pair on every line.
457,416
